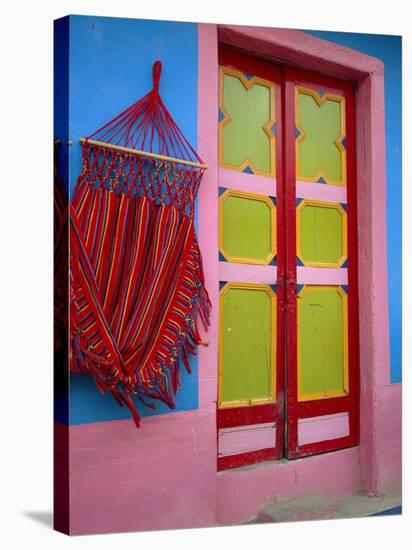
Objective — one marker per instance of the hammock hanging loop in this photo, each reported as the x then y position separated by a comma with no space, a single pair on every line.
157,71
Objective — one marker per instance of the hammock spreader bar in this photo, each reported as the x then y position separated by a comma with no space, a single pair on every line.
143,153
136,277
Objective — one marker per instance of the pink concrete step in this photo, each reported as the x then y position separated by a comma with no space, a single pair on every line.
315,507
306,508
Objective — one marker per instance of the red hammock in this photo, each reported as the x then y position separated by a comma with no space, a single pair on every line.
60,237
136,277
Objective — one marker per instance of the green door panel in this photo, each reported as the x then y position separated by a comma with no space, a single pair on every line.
248,228
321,234
321,342
317,150
244,137
247,344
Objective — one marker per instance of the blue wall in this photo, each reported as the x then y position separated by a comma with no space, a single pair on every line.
110,68
389,50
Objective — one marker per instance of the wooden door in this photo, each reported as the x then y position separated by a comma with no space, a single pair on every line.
288,334
321,272
250,415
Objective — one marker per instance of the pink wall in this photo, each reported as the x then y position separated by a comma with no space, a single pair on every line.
208,232
380,401
161,476
388,449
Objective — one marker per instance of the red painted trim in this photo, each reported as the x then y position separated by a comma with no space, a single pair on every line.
323,447
244,416
321,407
350,403
280,273
230,57
273,412
291,277
353,269
253,457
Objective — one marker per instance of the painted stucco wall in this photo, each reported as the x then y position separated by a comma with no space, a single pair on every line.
164,474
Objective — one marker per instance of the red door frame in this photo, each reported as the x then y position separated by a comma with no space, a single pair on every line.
350,403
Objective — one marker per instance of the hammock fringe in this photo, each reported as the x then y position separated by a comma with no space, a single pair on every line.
107,374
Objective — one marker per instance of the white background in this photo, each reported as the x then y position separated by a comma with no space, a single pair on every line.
26,269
